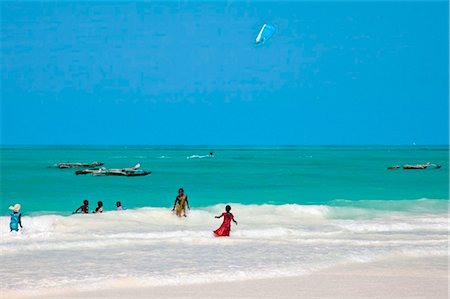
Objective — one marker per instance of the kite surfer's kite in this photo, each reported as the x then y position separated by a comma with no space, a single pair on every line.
265,33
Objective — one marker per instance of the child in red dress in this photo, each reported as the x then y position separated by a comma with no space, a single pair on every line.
224,229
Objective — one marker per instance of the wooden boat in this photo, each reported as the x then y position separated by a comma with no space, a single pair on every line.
393,167
87,171
415,166
132,171
418,166
120,172
78,165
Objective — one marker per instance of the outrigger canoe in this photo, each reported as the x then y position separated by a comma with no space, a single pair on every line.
132,171
78,165
415,166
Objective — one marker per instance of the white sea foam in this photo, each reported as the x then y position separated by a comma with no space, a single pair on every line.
151,246
198,156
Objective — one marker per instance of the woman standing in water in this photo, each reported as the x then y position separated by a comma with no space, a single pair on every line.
180,203
224,229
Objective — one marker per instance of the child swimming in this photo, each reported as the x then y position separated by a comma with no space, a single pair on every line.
16,218
224,229
84,208
99,208
119,206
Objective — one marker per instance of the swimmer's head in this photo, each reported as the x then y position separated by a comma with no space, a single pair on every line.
85,202
228,208
118,204
100,203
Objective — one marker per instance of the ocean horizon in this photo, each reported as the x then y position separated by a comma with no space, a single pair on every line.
245,174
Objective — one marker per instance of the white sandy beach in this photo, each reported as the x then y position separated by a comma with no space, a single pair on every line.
389,278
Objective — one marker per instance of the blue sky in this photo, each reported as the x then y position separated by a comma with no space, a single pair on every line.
190,73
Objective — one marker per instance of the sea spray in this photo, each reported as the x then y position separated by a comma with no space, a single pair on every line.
151,246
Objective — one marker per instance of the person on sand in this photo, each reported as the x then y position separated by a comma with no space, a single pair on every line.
180,203
84,208
16,218
99,208
224,229
119,206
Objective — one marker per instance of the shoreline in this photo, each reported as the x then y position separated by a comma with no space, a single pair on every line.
405,277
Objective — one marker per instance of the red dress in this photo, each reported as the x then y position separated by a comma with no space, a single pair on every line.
224,229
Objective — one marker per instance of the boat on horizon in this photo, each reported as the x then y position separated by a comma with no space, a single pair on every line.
63,165
415,166
421,166
393,167
87,171
102,171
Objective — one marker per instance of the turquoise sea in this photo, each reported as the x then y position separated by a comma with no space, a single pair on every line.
336,176
299,210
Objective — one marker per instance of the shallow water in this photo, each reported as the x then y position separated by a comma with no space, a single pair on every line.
150,246
299,210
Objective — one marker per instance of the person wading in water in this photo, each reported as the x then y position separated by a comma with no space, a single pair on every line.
179,206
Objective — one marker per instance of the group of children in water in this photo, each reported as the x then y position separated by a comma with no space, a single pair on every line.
99,209
179,206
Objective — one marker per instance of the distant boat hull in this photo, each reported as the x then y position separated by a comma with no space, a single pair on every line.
78,165
87,171
393,167
414,166
118,172
142,173
102,171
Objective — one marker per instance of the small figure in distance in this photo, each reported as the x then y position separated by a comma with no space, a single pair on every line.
224,229
16,218
211,154
84,208
99,208
119,206
180,203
